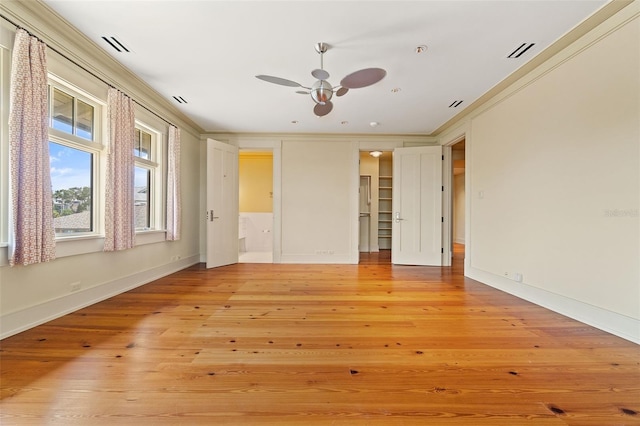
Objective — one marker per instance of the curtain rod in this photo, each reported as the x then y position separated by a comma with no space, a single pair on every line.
83,68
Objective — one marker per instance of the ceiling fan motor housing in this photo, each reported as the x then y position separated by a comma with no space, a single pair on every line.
321,92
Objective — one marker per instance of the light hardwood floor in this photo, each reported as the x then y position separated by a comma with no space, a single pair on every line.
372,344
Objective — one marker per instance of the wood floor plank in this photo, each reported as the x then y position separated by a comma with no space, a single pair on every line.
368,344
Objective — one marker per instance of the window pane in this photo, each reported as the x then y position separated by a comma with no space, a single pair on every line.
72,186
85,121
142,200
62,111
145,146
142,145
136,143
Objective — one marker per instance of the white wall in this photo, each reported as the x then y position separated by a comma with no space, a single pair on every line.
555,183
315,191
319,201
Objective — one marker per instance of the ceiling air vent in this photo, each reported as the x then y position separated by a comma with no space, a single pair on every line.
113,42
455,104
520,50
180,99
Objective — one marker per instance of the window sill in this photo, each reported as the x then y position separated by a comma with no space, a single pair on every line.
73,246
150,237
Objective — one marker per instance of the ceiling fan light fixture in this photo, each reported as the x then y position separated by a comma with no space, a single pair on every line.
321,92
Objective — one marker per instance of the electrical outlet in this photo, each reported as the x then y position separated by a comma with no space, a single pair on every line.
517,277
75,286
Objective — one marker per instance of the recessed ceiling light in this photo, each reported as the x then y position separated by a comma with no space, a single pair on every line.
294,121
421,49
344,122
374,124
396,90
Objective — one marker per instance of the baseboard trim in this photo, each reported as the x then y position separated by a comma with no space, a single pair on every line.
611,322
16,322
317,258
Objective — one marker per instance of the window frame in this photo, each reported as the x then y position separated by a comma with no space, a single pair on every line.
94,147
156,187
5,71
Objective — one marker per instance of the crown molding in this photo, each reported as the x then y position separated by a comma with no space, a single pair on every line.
328,137
603,14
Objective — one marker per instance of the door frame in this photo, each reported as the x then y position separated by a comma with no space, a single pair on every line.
409,162
447,182
366,146
275,147
447,201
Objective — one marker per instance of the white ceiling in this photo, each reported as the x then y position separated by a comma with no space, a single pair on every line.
209,51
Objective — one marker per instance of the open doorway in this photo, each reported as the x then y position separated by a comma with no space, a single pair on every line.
458,199
255,220
375,218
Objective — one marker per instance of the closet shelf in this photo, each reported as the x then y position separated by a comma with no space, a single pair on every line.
385,207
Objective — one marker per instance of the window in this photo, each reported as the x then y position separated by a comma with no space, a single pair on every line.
74,153
72,115
72,184
146,195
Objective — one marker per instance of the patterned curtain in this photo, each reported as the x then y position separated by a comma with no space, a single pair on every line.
174,208
33,237
119,215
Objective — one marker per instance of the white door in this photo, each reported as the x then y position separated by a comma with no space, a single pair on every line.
222,204
417,206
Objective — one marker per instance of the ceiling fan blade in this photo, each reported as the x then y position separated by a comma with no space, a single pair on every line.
342,91
320,74
322,110
363,78
278,80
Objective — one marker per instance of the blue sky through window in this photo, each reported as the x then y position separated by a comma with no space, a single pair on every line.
72,168
69,167
141,177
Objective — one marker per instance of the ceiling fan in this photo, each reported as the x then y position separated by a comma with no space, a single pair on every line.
321,91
